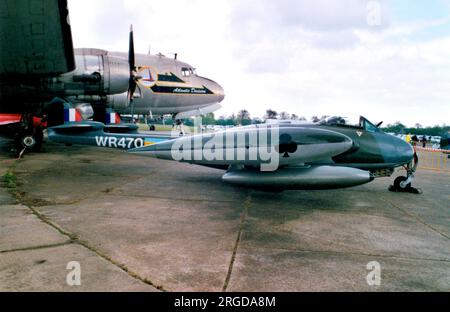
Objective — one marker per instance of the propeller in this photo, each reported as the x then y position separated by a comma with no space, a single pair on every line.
133,69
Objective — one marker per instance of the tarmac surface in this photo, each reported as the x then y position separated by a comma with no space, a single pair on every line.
140,224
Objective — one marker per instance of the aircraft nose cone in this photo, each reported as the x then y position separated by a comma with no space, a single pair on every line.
216,88
219,92
221,95
405,152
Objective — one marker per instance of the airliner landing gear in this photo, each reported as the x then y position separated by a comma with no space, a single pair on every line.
152,121
30,134
403,184
178,124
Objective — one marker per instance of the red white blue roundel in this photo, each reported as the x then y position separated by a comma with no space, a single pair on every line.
149,76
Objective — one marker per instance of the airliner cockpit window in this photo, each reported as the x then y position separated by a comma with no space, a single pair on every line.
186,72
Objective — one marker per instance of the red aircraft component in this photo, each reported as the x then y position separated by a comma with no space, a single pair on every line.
7,119
38,123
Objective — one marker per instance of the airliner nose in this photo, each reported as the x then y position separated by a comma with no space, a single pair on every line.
215,88
221,94
218,91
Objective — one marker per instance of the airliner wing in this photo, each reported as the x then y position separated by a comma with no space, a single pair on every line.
35,38
198,112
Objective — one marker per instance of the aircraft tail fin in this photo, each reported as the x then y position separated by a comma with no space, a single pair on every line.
72,115
112,118
114,124
61,112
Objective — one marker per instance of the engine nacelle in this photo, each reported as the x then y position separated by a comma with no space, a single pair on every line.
118,101
117,75
99,73
300,178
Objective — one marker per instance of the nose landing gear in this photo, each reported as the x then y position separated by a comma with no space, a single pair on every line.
403,184
178,125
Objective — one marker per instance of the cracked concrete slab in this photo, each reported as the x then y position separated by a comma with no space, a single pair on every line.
46,270
5,197
370,229
181,245
289,270
20,228
299,241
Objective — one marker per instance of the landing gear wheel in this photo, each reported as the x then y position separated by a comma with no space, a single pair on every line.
30,140
397,187
398,184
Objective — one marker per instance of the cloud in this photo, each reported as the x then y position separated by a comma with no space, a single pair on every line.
284,24
319,15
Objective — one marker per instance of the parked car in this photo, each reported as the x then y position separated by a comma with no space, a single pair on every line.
219,128
436,139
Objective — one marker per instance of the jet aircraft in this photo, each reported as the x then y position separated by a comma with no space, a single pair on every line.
334,153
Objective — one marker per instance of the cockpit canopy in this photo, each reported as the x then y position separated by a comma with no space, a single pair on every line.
350,121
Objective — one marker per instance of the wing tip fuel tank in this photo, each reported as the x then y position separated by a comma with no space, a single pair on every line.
301,178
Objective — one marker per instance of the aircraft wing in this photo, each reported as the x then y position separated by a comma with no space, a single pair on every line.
35,38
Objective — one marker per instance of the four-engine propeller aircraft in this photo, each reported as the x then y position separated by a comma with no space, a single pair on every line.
331,154
38,63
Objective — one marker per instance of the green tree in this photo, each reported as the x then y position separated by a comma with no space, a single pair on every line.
271,114
209,119
243,118
284,116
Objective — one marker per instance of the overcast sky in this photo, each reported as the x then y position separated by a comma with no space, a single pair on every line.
387,60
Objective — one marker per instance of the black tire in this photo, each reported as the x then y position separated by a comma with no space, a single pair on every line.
399,181
152,128
30,140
